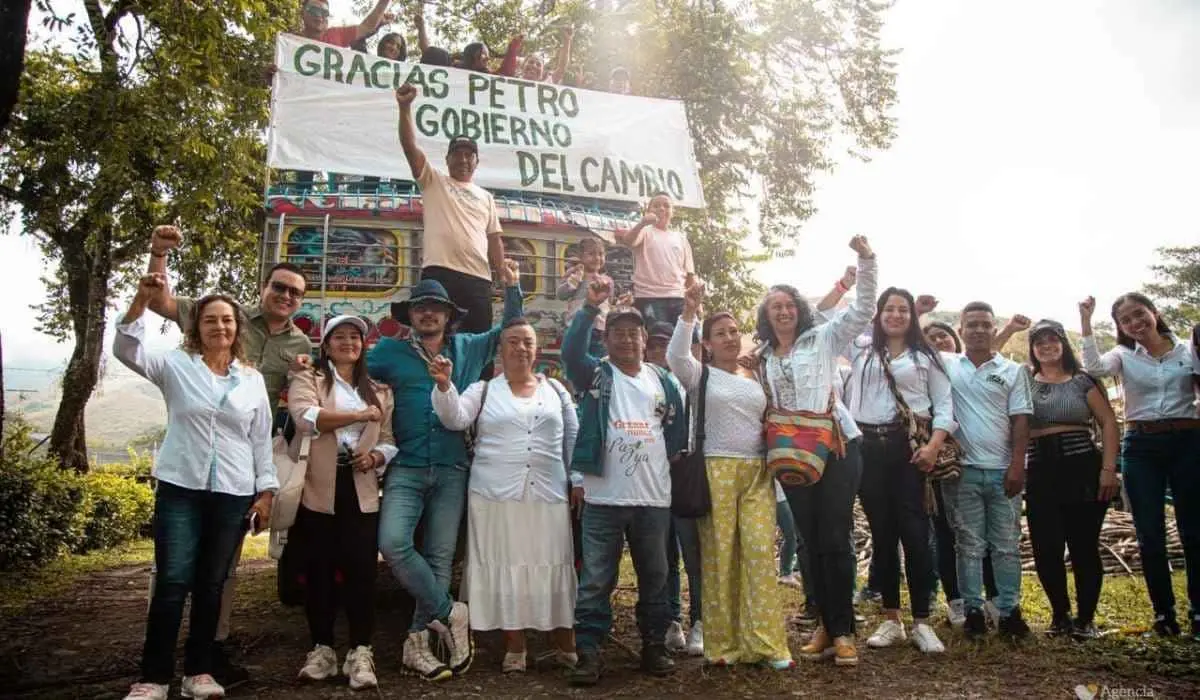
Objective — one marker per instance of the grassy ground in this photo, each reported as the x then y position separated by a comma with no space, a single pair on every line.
74,631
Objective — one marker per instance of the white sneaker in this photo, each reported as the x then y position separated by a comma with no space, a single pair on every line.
992,613
956,613
148,691
462,645
695,639
201,686
420,661
675,641
514,662
360,668
925,639
320,664
790,581
887,634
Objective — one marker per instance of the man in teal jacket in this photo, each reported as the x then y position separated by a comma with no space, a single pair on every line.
429,472
631,423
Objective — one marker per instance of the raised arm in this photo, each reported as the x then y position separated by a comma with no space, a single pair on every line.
408,131
683,364
508,66
1015,325
128,344
374,18
163,240
633,237
570,284
849,324
581,365
514,307
564,55
456,412
831,298
419,22
1097,365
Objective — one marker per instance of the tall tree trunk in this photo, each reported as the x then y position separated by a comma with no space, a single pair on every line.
1,397
14,17
87,292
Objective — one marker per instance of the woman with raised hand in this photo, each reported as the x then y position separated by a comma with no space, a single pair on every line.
798,362
348,418
1068,483
520,559
895,376
741,609
215,479
1161,444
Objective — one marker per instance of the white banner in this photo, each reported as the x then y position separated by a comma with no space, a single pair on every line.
335,110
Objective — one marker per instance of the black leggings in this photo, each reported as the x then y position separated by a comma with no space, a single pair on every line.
346,543
893,497
1066,515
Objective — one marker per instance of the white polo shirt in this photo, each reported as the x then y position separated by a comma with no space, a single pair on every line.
985,397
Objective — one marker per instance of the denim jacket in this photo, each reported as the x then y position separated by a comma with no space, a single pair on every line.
592,378
421,439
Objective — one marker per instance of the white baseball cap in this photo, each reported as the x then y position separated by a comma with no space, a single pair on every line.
336,321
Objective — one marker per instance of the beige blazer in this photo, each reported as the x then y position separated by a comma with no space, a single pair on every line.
307,389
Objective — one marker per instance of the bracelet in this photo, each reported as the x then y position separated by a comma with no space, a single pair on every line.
841,287
157,255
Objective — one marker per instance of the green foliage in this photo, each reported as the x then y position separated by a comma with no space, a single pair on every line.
1176,291
46,512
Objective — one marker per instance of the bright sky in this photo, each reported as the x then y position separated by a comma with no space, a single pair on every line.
1045,150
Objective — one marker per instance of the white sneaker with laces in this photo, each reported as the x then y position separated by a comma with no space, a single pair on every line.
462,645
925,639
887,634
201,686
695,639
956,613
320,664
992,613
148,691
419,660
790,581
675,641
360,668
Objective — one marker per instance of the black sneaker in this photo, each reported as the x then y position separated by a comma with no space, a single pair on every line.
587,670
227,673
1062,626
1167,626
1085,631
976,625
656,661
1013,627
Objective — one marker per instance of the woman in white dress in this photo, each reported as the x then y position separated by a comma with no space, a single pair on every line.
520,562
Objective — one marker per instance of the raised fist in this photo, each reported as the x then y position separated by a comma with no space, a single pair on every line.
165,238
440,369
1087,307
860,245
598,293
405,95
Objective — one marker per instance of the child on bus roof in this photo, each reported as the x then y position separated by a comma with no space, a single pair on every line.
574,288
662,262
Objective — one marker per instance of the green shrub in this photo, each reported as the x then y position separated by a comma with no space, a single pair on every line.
40,505
116,508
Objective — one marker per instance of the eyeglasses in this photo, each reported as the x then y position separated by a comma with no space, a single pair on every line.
281,288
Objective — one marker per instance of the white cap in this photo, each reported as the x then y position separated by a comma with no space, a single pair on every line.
336,321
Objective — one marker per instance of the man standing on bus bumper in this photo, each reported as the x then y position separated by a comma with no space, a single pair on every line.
461,244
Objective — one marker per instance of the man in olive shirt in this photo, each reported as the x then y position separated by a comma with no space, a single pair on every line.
272,344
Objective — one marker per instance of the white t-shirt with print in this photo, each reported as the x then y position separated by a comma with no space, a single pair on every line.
636,471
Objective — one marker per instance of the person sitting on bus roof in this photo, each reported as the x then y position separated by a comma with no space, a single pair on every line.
462,226
436,56
428,476
475,57
662,262
316,23
534,68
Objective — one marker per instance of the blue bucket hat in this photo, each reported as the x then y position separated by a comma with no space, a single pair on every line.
427,291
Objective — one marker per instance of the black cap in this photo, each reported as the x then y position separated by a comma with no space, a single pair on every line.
462,142
624,313
1046,325
662,330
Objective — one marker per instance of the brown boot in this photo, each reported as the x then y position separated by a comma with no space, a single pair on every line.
818,647
844,652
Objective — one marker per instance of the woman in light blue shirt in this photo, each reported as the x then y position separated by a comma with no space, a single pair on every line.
215,478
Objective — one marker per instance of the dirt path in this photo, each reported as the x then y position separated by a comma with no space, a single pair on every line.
85,644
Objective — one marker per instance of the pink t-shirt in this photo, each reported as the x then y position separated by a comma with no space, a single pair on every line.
340,36
662,261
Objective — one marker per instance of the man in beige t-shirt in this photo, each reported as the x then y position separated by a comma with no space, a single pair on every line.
461,244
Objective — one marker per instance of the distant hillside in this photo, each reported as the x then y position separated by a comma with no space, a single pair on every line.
123,407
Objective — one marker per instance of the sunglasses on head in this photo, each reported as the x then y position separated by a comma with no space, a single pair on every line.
281,288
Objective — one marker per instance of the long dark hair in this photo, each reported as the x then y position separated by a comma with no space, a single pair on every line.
804,316
361,380
706,331
470,54
1138,298
914,337
1070,362
948,329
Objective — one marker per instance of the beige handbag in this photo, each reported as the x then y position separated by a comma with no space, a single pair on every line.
291,474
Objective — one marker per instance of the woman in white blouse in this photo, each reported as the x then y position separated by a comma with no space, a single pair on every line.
1162,441
348,418
893,489
520,561
215,479
740,608
799,362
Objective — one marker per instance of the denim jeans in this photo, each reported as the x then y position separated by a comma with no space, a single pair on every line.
195,535
986,520
1152,462
605,529
824,514
683,538
408,494
787,527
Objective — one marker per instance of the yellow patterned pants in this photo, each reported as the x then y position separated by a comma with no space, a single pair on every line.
743,621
